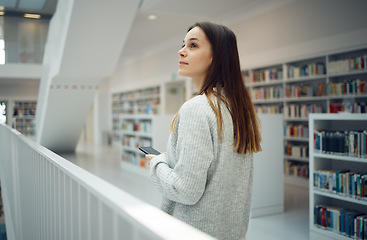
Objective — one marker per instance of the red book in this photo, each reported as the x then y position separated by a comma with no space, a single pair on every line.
362,86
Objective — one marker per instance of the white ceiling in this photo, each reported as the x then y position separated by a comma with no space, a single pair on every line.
175,16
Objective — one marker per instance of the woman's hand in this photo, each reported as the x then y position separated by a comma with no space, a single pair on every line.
150,156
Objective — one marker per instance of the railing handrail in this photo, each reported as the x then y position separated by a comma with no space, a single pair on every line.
146,217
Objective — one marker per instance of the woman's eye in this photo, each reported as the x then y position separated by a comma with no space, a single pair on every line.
192,45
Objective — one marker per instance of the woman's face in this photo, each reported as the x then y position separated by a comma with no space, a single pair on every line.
195,56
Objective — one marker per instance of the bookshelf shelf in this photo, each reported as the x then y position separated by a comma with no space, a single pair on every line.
263,101
296,139
325,74
296,119
299,159
261,84
340,157
305,79
324,234
337,179
345,74
340,197
140,134
305,99
346,96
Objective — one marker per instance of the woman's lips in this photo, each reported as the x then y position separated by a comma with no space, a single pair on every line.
183,63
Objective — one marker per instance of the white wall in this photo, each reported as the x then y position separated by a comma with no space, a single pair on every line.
102,113
19,92
153,68
301,29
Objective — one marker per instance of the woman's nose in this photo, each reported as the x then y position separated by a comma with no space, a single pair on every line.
182,52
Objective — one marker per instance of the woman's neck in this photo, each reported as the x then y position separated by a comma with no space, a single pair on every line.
198,82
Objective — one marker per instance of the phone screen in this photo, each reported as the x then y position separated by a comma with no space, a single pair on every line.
149,150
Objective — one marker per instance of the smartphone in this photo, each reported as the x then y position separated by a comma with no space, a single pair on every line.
149,150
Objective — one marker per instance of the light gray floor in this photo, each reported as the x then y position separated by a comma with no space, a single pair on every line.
104,161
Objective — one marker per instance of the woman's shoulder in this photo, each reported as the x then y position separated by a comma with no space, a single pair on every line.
196,104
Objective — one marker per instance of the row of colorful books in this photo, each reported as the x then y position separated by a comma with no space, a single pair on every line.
21,111
296,169
343,182
267,93
134,142
129,141
269,109
267,75
136,94
311,69
349,143
300,151
141,126
347,65
155,101
296,130
352,87
301,110
348,106
346,222
26,130
26,104
299,90
348,86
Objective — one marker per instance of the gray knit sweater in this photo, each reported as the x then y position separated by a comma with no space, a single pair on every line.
203,182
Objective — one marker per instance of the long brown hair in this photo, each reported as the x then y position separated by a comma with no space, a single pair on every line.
224,74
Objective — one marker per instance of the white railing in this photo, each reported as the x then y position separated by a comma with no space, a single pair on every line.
47,197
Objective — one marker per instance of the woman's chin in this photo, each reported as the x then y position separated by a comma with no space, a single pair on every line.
182,73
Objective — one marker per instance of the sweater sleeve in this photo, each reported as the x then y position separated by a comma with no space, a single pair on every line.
185,183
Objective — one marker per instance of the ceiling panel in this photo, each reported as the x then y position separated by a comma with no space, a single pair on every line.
32,4
8,3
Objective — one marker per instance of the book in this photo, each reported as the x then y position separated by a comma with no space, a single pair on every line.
350,143
348,222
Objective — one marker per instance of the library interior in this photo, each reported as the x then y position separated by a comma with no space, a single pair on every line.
74,110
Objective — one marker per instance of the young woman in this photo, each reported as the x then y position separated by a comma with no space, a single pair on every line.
206,175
